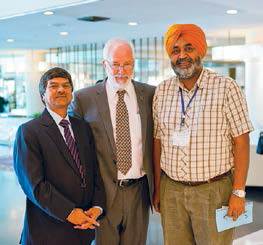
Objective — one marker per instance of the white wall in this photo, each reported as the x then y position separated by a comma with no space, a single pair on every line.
252,55
255,173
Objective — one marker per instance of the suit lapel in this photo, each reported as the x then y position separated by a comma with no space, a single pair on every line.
54,133
103,108
139,90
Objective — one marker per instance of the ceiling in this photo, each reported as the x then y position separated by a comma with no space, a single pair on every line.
33,30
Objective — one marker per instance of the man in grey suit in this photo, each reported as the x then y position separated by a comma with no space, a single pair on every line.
119,111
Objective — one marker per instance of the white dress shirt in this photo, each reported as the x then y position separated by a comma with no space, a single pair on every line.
57,118
130,99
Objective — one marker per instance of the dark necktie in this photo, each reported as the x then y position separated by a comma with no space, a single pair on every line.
71,145
123,138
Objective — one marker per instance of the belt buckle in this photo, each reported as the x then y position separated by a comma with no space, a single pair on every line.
189,183
122,182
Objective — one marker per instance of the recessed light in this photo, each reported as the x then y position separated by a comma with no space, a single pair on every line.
132,23
10,40
231,11
48,13
63,33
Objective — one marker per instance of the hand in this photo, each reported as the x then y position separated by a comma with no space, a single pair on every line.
156,200
77,216
93,214
236,206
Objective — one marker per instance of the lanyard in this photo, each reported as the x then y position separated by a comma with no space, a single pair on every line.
182,104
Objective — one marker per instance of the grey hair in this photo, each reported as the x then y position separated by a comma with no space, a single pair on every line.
118,42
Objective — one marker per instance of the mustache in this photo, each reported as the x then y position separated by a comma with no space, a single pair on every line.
121,76
181,60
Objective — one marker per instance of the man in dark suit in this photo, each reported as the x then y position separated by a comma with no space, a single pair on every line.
119,111
55,162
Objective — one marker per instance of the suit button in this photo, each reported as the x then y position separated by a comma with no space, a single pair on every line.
114,181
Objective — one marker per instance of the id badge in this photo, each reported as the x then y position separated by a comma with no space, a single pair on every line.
181,137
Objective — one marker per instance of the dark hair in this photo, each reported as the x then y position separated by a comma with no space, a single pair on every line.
50,74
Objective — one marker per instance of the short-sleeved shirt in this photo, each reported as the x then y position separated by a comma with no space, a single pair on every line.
217,114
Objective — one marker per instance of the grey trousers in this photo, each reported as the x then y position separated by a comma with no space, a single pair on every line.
126,221
188,212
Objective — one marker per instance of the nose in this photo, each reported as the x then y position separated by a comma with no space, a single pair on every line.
61,89
182,54
121,68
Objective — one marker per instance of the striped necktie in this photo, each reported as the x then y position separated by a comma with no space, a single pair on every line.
72,146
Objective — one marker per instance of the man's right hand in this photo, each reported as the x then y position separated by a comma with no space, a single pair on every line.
78,217
156,200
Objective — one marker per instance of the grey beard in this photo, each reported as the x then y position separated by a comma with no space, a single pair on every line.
188,72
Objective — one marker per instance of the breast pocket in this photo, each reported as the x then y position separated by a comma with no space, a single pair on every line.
211,120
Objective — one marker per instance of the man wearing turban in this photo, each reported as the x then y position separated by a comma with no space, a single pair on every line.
201,144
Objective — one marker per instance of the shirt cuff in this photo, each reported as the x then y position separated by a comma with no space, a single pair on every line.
101,210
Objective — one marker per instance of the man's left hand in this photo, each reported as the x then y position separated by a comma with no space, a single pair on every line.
236,206
93,212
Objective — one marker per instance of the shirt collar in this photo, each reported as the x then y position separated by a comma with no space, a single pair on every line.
200,80
114,87
57,118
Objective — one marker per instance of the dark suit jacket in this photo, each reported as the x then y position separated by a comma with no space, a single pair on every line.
51,181
91,104
260,144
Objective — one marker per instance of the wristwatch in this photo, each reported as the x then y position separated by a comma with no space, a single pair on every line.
239,193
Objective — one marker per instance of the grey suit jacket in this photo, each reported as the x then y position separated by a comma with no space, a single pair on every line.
91,104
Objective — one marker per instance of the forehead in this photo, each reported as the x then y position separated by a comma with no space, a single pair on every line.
122,52
182,42
59,80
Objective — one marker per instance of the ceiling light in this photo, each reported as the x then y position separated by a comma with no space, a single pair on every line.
231,11
132,23
10,40
48,13
63,33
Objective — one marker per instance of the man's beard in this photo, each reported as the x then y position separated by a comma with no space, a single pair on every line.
187,73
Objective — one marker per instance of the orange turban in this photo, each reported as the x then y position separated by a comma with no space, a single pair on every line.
190,32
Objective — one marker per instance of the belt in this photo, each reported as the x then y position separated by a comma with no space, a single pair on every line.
195,183
129,182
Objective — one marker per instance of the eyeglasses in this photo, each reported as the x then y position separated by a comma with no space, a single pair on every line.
116,66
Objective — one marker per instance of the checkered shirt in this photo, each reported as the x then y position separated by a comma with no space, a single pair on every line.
217,114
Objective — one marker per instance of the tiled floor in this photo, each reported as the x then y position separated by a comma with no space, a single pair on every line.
11,208
13,201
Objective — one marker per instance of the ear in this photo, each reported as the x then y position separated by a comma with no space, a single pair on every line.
104,64
43,97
